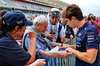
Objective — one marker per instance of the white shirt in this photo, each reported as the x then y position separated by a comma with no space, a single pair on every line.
55,29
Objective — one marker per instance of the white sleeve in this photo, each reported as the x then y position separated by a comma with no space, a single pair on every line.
48,29
62,32
75,30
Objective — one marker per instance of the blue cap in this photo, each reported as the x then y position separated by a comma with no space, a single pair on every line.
53,15
15,18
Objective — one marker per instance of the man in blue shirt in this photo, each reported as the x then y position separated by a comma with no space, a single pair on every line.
87,39
42,43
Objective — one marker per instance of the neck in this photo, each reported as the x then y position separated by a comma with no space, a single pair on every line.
13,35
52,23
80,23
63,23
37,28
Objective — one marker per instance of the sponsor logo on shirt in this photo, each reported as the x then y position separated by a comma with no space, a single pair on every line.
78,45
79,34
78,39
85,28
78,42
90,38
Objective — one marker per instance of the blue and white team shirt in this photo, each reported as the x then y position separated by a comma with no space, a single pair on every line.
55,28
87,38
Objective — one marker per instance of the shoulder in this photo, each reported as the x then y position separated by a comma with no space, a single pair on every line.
91,30
5,39
91,27
8,43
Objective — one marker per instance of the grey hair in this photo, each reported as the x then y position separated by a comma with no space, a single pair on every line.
39,19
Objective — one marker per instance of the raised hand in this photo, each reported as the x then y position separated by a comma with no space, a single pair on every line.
63,39
50,36
31,35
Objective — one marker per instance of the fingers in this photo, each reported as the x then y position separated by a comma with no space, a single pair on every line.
19,42
31,35
64,46
43,61
70,50
50,36
63,39
38,62
66,55
67,45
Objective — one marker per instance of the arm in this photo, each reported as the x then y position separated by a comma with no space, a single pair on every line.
91,47
54,44
97,24
89,56
72,32
73,46
32,47
57,44
63,39
55,54
66,46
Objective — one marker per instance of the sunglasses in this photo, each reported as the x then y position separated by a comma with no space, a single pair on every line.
55,12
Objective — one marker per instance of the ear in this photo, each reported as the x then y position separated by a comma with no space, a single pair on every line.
37,24
49,14
73,18
3,22
16,28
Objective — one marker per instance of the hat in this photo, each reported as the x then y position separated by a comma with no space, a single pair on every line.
14,18
54,12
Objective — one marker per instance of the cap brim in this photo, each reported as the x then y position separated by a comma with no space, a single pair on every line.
54,15
28,22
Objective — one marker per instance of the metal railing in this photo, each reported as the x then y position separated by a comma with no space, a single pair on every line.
70,61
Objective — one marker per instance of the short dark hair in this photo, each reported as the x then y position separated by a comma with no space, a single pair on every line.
74,10
90,14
